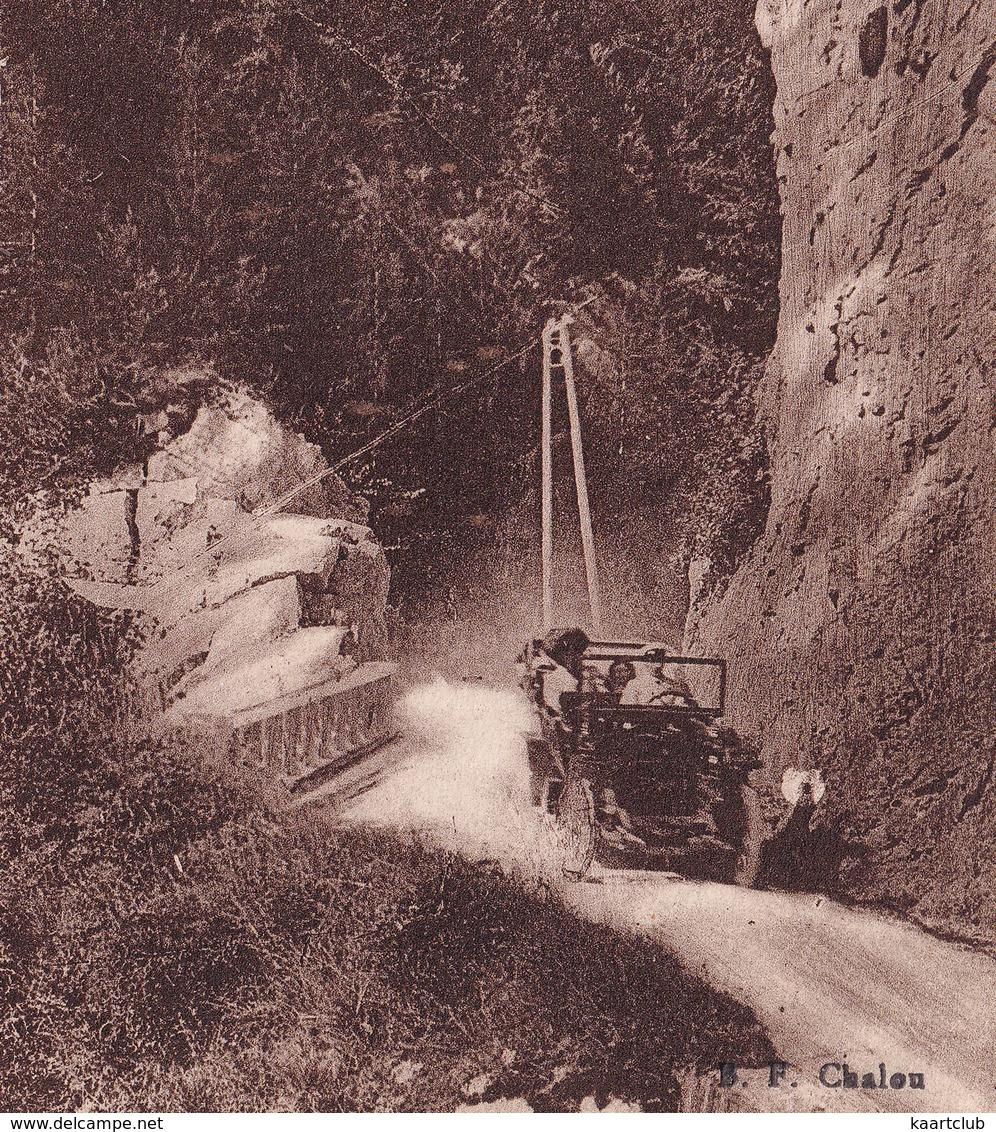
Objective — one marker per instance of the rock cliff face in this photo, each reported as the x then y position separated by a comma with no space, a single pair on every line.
237,608
861,631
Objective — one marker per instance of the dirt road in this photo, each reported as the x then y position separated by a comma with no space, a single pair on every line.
831,985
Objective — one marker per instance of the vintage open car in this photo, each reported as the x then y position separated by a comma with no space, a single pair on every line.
630,763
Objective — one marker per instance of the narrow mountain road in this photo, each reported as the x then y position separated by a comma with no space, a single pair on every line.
830,984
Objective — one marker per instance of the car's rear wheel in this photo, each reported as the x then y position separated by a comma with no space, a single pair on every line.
748,867
574,814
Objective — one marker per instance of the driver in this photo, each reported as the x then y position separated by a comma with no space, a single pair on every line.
617,679
660,685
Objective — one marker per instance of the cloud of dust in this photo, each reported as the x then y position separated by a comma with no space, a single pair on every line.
463,780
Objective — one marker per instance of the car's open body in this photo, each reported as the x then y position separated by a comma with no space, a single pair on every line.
655,784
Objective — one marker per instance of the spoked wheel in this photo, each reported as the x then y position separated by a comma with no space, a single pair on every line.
748,866
573,809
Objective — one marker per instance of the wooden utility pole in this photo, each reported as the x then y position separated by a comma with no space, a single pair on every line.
581,481
557,353
546,446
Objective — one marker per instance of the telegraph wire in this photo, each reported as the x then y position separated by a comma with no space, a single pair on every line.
433,401
414,413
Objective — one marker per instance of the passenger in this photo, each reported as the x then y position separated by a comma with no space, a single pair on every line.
621,674
565,648
642,688
611,683
673,685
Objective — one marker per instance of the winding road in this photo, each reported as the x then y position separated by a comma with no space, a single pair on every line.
830,984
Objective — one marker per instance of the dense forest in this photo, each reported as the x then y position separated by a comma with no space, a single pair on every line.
350,207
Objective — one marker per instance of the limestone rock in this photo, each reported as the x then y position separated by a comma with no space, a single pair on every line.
161,508
239,626
236,449
253,619
100,535
290,664
235,607
271,548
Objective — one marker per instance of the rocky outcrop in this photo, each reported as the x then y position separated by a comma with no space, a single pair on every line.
861,631
237,450
238,606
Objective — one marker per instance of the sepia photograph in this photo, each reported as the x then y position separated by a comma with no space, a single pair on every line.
497,558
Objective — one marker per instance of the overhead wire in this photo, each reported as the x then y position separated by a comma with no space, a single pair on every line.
433,401
440,396
414,413
332,37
